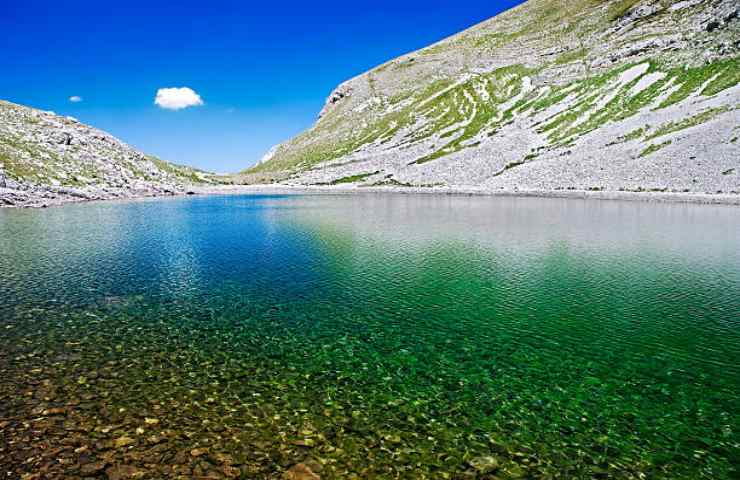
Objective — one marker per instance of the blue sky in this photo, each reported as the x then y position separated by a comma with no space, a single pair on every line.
262,69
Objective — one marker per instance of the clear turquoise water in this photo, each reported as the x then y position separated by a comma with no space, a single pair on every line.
380,336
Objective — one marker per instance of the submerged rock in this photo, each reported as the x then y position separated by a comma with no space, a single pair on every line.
92,468
198,452
300,471
486,464
122,472
123,442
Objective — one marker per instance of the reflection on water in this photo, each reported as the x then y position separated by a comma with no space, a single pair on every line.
386,336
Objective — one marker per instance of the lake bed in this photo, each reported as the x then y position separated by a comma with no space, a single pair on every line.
370,336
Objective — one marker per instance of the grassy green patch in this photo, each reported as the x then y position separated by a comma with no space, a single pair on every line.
623,105
698,119
728,77
620,8
389,181
635,134
467,106
400,97
182,172
723,75
589,93
472,105
654,148
353,178
495,40
13,153
572,56
509,166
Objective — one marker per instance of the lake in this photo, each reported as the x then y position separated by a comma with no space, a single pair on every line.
370,336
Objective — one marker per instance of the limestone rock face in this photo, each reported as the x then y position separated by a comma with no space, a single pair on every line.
579,95
47,159
342,92
721,16
271,153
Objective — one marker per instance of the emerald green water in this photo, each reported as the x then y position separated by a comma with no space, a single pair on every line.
370,336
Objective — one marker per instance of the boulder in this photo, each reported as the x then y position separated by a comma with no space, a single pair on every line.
342,92
485,464
300,471
59,138
718,17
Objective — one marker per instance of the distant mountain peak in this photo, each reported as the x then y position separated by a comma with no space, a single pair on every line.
47,158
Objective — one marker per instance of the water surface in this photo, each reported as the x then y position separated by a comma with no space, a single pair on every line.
370,336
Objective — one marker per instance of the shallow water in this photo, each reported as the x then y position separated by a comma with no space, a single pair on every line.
370,336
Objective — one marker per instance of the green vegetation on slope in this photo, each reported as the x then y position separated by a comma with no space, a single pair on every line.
460,113
693,121
182,172
654,148
45,149
620,8
572,56
720,75
440,98
591,110
472,107
353,178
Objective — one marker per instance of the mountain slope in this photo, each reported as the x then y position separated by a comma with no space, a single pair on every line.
628,95
46,158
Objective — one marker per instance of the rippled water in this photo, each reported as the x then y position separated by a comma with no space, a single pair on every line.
370,336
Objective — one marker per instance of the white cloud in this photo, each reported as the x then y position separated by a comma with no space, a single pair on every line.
75,99
177,98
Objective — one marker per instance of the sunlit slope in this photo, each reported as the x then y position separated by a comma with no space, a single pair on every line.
589,94
42,149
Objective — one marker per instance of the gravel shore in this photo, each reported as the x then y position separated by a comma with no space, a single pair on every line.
10,198
697,198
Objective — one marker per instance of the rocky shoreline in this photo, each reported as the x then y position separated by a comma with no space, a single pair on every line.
663,197
51,197
43,197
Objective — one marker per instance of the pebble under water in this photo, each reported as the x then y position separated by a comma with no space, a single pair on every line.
370,336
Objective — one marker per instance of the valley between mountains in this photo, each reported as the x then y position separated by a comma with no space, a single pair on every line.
555,98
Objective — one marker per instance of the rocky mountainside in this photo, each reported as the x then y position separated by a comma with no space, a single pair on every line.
621,95
47,159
